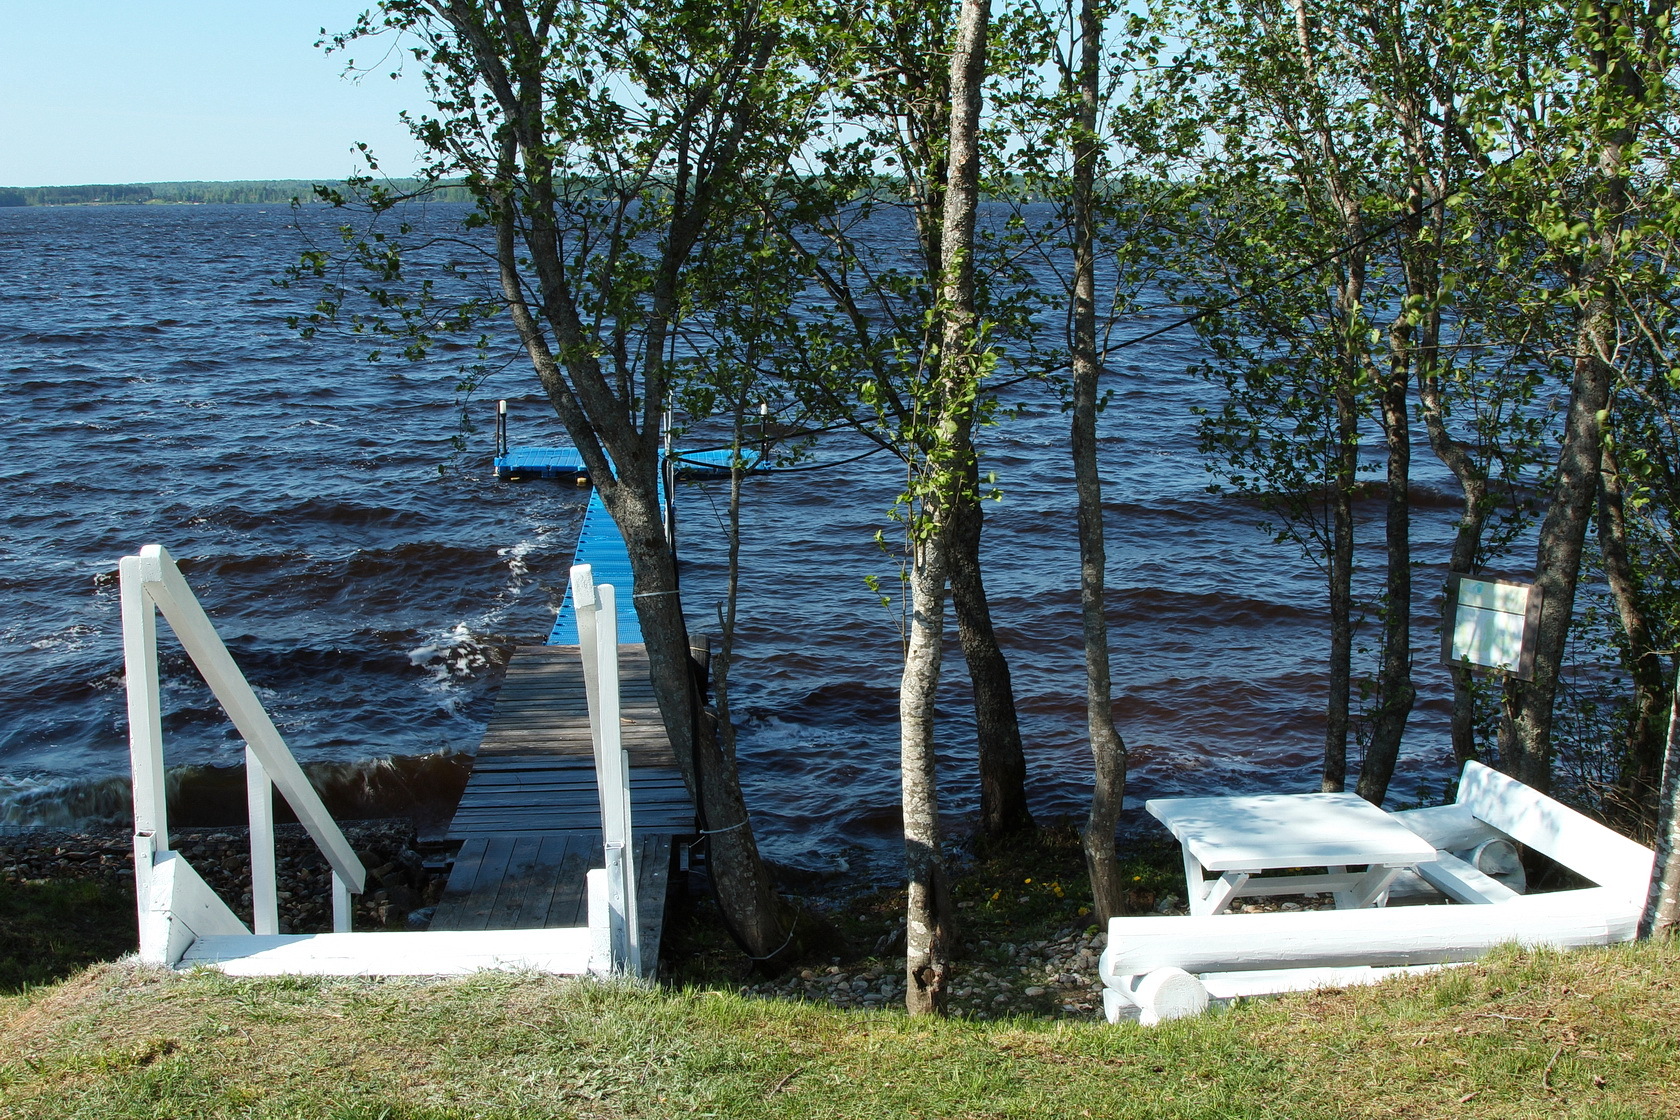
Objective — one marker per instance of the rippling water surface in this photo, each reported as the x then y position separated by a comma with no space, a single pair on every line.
370,576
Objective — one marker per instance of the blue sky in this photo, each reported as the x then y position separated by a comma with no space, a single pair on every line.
140,91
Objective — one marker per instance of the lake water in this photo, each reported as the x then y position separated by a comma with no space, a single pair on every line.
371,577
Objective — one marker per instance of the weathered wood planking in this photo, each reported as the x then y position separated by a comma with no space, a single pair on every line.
537,882
530,817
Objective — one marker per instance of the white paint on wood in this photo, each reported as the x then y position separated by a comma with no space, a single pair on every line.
1487,627
600,922
166,587
614,780
1381,938
1288,830
1239,837
1166,993
1369,887
1572,839
439,953
1462,882
265,879
1451,828
179,908
1275,981
585,607
145,723
342,910
1498,859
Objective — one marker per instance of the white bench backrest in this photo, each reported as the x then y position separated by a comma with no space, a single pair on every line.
1578,842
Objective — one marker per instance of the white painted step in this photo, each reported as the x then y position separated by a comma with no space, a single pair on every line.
441,953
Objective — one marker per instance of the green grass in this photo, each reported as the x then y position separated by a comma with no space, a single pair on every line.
1590,1034
50,929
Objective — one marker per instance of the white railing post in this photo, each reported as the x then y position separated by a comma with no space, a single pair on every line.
152,582
597,616
167,588
341,903
145,730
265,876
585,607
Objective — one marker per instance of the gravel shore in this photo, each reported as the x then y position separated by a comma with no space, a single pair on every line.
400,886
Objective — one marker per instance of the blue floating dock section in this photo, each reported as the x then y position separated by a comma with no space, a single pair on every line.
716,462
540,462
601,546
566,463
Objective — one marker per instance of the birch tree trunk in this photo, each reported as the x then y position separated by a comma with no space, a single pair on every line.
997,726
1640,771
1662,905
944,470
1108,749
1337,709
1619,101
927,924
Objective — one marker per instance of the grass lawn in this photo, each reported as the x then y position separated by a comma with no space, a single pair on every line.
50,928
1590,1034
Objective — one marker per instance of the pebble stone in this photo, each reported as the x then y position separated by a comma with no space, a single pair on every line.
399,883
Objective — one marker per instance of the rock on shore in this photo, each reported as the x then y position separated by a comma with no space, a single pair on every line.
399,883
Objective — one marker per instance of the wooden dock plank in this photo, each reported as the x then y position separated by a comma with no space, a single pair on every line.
524,876
462,878
530,818
570,904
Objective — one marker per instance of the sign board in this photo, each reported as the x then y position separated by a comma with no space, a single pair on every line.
1491,624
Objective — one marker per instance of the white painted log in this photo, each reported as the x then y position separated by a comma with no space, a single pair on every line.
1451,828
1115,1004
165,586
1275,981
1165,993
439,953
1578,842
1500,861
1462,882
179,909
1382,938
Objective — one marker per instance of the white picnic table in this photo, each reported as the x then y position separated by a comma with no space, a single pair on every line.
1238,839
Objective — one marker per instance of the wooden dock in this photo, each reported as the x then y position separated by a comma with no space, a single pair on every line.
529,820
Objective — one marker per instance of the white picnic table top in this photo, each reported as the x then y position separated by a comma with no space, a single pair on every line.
1273,830
1237,838
1262,832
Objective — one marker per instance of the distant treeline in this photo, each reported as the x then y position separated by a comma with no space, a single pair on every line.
269,191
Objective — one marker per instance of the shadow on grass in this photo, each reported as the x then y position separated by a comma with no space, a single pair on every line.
52,929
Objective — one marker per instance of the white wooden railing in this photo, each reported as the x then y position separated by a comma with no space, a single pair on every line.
150,583
597,626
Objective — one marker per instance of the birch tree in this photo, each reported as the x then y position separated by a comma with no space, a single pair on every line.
946,402
604,145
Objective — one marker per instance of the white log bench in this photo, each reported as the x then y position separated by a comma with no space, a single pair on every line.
1170,966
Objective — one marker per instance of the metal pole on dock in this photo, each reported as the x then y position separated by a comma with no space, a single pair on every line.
668,476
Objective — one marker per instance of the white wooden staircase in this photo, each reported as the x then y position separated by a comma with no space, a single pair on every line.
184,923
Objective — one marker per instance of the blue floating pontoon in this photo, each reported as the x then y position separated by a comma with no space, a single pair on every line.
600,544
